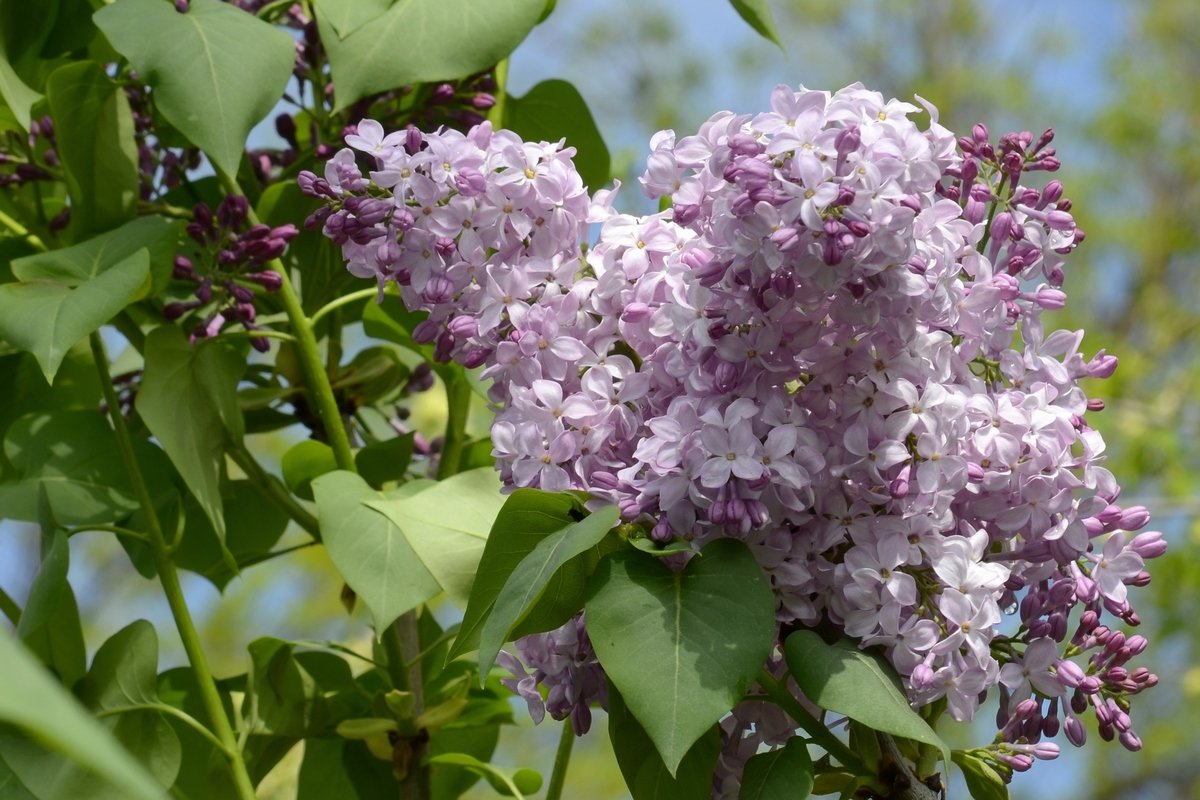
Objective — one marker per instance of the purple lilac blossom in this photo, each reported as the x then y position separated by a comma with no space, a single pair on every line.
830,346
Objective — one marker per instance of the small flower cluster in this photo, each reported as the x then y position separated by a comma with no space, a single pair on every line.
228,253
829,346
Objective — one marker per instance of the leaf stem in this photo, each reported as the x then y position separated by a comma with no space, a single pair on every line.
117,529
22,232
180,715
346,299
10,608
169,578
274,489
315,378
813,726
561,758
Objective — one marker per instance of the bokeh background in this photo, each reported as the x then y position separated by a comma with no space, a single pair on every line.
1120,84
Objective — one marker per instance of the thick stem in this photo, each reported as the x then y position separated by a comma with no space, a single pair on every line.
496,112
561,759
169,578
458,406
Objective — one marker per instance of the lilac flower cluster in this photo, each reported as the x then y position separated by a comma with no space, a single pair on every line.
829,346
227,258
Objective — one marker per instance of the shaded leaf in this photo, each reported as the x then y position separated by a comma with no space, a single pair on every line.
73,456
382,462
528,581
442,40
305,461
18,96
337,768
704,632
347,16
72,266
370,551
47,318
253,524
30,700
510,782
841,678
643,769
983,782
215,71
783,774
94,131
188,400
282,697
554,110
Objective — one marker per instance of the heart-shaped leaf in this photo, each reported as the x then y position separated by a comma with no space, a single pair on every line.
643,769
47,318
841,678
188,400
554,110
369,549
94,129
783,774
424,40
681,647
529,580
31,700
215,71
447,525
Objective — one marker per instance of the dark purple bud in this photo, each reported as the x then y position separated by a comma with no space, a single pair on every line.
1051,194
260,344
232,211
173,311
1076,733
474,357
239,293
61,220
285,126
1095,404
414,140
463,326
317,218
268,279
442,93
426,331
181,6
483,101
204,290
182,270
980,133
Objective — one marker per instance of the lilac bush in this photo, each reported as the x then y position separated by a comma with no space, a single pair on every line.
829,346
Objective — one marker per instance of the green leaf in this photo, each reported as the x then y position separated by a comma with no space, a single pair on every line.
381,462
73,29
418,41
75,265
188,400
205,770
30,700
478,741
510,782
643,769
47,318
19,97
305,461
253,524
757,15
554,110
282,697
783,774
94,129
529,580
123,674
73,455
347,16
337,768
369,550
447,525
215,71
527,517
841,678
983,782
50,625
703,633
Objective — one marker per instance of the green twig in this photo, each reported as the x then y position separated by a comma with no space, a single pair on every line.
117,529
182,716
169,578
10,608
458,405
22,232
346,299
813,726
274,489
316,380
561,758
